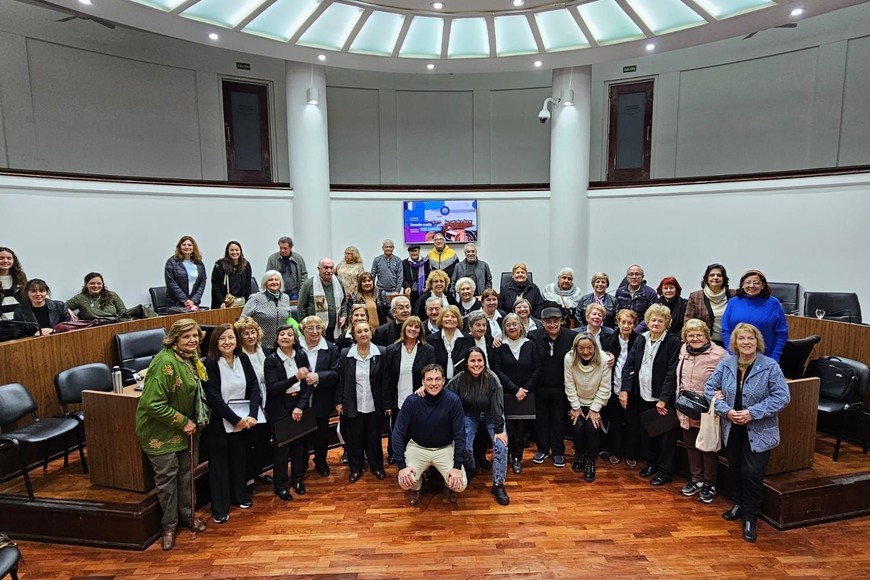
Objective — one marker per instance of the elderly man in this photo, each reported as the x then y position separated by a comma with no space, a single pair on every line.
415,270
472,267
442,257
322,296
387,334
291,265
387,271
430,431
635,295
433,311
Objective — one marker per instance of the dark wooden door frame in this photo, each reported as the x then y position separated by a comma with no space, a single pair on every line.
615,90
261,91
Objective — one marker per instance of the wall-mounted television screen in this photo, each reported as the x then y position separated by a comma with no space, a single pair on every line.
456,219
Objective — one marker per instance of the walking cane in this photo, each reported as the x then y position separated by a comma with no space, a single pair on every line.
191,438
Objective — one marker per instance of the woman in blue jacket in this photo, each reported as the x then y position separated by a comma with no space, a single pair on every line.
749,391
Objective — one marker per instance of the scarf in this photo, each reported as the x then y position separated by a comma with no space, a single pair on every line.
696,351
321,306
201,412
515,345
415,266
716,298
565,298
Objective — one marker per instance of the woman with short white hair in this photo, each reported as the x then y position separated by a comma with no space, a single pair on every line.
269,308
565,294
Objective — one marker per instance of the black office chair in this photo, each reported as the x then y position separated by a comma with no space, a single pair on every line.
255,287
795,354
70,383
508,276
842,306
136,349
843,388
9,558
207,329
15,404
158,299
788,295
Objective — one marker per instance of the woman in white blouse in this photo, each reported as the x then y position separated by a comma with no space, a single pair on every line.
231,377
451,346
251,336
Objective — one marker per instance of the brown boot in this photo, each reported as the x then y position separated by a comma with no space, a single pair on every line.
198,526
413,497
168,539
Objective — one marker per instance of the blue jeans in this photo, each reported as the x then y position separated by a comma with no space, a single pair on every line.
499,450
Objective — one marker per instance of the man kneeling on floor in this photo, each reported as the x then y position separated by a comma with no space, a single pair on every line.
430,431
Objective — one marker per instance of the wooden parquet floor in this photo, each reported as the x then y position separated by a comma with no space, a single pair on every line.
556,526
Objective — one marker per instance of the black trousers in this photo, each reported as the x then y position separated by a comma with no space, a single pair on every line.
658,451
516,432
586,437
551,408
362,435
747,472
295,452
319,440
623,427
226,468
259,453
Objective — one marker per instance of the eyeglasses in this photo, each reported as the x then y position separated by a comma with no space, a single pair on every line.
753,283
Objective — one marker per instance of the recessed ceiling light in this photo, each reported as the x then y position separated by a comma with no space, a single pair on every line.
438,5
518,3
797,12
651,46
538,64
321,57
213,35
86,2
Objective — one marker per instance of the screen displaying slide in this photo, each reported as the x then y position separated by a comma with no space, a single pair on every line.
456,219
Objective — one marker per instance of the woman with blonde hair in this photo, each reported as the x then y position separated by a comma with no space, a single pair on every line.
437,285
350,268
185,276
587,386
451,346
518,287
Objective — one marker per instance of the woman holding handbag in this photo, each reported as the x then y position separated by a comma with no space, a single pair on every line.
749,391
699,356
231,278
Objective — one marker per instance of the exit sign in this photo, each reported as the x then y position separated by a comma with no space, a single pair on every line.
243,66
628,69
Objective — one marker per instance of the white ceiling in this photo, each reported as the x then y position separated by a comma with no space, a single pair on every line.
464,36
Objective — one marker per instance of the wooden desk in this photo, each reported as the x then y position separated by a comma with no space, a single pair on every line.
797,428
115,458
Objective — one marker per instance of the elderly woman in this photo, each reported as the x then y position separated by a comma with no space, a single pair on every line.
523,309
708,303
324,366
360,401
699,357
357,313
467,303
451,346
184,275
38,309
477,332
520,287
269,308
517,365
367,294
669,291
565,294
754,305
350,268
623,432
12,281
483,403
95,301
170,411
230,378
251,338
602,335
231,278
587,386
650,371
289,397
489,299
749,391
599,295
436,287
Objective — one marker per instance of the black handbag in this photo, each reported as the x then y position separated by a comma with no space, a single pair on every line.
691,404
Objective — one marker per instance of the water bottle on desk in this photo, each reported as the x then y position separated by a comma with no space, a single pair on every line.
117,380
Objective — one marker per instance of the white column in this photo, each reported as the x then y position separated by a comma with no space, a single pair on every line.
309,162
569,172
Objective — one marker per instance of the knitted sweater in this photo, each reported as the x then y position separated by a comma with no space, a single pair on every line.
587,386
766,314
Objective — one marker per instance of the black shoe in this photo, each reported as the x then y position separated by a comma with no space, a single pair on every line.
660,480
246,504
589,475
734,513
322,470
648,471
577,466
500,494
484,463
750,533
344,457
391,460
299,488
517,466
354,476
379,473
264,479
221,519
283,494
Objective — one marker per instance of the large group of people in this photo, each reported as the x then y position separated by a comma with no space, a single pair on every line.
452,365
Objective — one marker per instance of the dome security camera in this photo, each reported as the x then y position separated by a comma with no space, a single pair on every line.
544,115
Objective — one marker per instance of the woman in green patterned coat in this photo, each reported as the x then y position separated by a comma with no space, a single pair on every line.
172,408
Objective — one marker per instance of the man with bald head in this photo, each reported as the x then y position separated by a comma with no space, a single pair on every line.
387,334
322,296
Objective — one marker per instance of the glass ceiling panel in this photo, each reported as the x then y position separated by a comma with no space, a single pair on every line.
423,39
608,23
468,38
221,12
281,20
513,36
664,16
161,4
379,34
720,9
559,31
332,29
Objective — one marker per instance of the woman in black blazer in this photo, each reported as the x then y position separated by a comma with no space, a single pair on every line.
451,346
659,394
38,309
181,291
401,380
287,396
231,275
517,365
621,413
361,417
230,377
